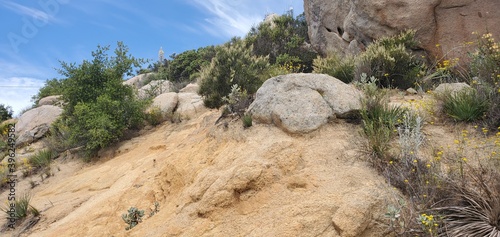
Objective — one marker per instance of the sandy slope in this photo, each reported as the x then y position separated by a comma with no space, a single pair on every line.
216,181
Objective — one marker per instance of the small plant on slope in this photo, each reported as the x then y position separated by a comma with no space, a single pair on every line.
133,217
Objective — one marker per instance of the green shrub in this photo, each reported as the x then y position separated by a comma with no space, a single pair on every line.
42,159
99,108
379,119
466,105
51,87
233,64
155,116
183,65
485,68
391,61
22,208
5,112
133,217
283,36
333,65
247,120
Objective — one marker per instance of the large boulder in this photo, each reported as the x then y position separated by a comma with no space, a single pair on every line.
450,88
166,102
301,103
51,100
190,105
155,88
348,26
190,88
138,81
35,123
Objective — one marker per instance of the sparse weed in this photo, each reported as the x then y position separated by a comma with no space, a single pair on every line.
133,217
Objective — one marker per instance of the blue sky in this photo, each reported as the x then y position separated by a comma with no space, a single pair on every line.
36,34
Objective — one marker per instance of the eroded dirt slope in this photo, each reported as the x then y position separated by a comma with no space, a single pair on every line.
219,181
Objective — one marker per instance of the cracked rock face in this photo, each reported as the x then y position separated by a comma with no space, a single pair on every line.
301,103
35,123
348,26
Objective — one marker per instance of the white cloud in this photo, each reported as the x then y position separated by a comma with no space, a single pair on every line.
228,18
35,13
17,91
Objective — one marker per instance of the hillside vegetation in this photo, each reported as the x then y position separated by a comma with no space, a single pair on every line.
438,149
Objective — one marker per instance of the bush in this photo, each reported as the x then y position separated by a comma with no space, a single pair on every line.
99,108
51,87
5,112
133,217
183,65
22,208
42,159
247,120
379,119
285,35
392,62
485,67
155,116
333,65
466,105
233,64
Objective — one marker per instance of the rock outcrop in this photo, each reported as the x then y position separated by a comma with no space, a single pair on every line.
348,26
51,100
166,102
186,103
155,88
35,123
138,81
451,88
301,103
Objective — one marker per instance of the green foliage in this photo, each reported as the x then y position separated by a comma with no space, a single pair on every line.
247,120
485,69
42,159
133,218
183,65
51,87
391,61
465,105
155,116
284,35
379,119
232,64
333,65
99,108
5,112
22,208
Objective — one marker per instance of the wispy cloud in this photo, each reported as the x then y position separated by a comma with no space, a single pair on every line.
228,18
17,91
31,12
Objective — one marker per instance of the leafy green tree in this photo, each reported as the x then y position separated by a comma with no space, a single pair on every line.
5,112
51,87
99,107
284,36
183,65
233,64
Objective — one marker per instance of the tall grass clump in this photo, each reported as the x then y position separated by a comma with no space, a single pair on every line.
391,60
466,105
335,66
42,159
22,209
379,119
